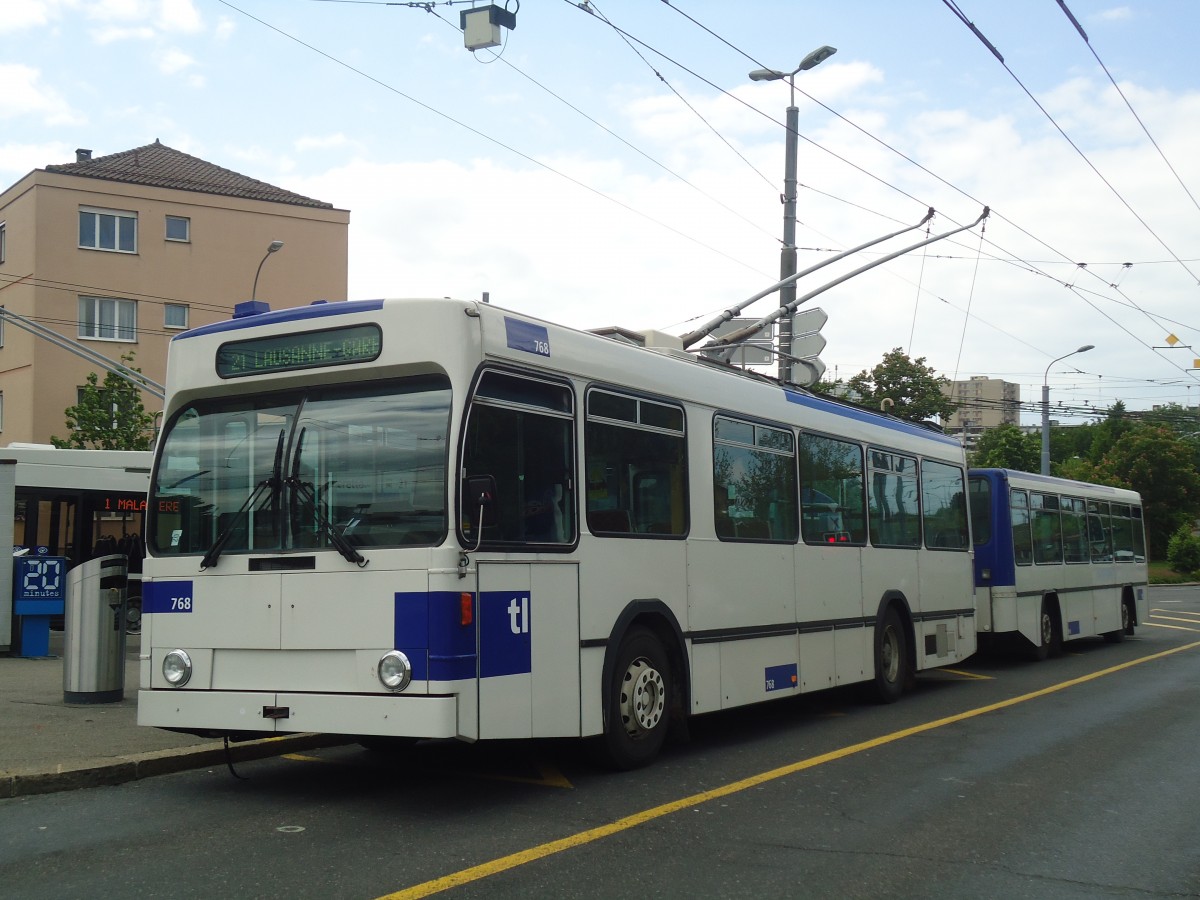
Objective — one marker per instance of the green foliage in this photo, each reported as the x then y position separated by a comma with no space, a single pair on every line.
1007,447
1159,466
108,416
908,383
1183,550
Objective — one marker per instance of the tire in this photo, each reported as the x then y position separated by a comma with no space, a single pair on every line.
1051,635
133,616
640,699
891,657
1127,623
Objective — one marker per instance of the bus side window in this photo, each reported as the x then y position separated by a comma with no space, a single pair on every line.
636,457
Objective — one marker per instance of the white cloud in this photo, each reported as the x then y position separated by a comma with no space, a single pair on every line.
22,14
110,34
322,142
24,94
172,61
225,28
180,17
19,159
1116,14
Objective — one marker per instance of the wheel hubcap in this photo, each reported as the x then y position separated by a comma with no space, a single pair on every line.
1047,629
643,698
889,655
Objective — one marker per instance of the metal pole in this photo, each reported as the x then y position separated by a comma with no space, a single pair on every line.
787,256
1046,406
1046,425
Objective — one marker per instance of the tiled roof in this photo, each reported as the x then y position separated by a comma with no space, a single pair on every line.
158,165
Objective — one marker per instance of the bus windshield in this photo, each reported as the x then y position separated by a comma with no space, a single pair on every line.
363,465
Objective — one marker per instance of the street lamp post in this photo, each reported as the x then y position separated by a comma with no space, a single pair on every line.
271,248
787,257
1046,406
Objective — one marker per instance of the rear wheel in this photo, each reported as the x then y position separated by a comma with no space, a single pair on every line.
639,702
891,657
1127,623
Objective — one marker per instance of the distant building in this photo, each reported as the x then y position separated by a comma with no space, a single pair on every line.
983,403
123,251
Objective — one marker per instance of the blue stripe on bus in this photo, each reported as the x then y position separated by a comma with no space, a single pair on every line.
167,596
505,633
862,415
429,631
317,310
527,336
781,678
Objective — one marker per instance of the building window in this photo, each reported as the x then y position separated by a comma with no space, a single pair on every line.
1,410
179,228
175,315
3,240
107,229
107,319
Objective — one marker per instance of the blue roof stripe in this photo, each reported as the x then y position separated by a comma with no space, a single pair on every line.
862,415
316,310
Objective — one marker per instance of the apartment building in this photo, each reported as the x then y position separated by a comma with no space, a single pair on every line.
983,403
120,252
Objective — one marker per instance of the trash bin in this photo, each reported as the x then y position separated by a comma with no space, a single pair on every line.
94,631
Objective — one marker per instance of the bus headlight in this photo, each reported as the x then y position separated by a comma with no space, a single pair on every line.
177,668
395,671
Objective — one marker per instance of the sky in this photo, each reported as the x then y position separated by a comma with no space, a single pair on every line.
613,164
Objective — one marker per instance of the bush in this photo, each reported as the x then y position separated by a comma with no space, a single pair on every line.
1183,550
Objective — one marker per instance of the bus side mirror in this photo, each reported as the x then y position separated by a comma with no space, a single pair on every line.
479,500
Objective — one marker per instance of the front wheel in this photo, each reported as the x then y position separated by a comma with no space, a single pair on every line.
891,657
639,701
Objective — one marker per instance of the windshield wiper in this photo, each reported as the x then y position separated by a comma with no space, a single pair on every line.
269,483
304,490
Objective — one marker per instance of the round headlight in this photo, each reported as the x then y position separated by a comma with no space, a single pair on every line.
395,671
177,668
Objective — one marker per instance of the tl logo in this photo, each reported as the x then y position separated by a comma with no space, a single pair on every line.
518,615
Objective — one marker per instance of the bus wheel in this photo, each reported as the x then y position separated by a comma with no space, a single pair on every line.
891,657
133,616
1050,643
639,701
1127,617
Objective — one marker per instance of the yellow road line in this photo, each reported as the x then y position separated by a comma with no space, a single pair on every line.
512,861
974,675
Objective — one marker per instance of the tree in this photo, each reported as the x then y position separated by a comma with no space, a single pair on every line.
1183,550
109,416
1007,447
1158,465
910,384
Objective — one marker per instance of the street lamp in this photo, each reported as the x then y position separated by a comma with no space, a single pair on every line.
787,257
274,246
1046,406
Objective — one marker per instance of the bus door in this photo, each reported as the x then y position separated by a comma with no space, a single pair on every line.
48,520
528,626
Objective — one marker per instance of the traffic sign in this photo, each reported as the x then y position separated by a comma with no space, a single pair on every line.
808,321
806,346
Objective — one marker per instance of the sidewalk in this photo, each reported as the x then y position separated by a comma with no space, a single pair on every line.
47,745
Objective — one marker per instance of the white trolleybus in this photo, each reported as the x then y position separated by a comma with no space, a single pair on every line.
440,519
1056,559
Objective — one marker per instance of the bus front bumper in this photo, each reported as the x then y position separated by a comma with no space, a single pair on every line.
391,715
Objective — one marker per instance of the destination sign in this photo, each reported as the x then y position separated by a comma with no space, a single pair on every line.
307,350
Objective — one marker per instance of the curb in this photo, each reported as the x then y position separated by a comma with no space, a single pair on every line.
122,769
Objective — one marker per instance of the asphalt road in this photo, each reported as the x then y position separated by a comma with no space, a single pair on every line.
1070,778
